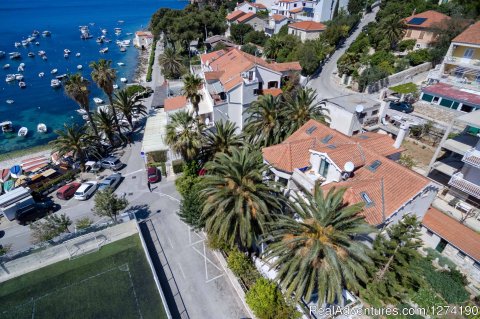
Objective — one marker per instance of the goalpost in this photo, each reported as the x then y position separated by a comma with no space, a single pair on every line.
84,244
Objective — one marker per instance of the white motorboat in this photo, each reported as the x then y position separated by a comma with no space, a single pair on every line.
17,44
41,74
61,76
123,49
23,131
22,65
35,32
65,56
118,29
54,71
54,83
121,64
20,68
66,51
46,33
7,126
31,54
15,55
78,55
99,40
115,86
98,100
120,21
79,67
10,78
44,58
10,101
22,84
41,53
129,33
104,50
18,77
6,66
104,31
123,80
126,43
41,128
37,43
2,54
25,43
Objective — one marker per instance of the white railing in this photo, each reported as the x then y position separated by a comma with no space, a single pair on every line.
463,61
465,186
472,157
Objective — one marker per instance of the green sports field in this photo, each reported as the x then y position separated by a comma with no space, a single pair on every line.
115,282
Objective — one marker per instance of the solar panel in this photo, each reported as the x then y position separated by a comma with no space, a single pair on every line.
417,21
311,129
375,164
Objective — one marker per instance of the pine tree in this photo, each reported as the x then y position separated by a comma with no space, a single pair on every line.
395,254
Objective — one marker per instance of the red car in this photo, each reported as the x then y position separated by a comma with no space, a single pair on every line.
153,175
66,192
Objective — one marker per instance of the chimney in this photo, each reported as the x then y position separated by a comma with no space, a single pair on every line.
402,132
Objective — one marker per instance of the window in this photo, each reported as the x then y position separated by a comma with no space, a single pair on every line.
435,99
409,33
327,138
374,165
295,5
368,201
283,181
324,168
429,232
422,34
250,75
468,54
311,129
461,255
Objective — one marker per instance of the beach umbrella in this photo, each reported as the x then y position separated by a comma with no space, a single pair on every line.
4,174
15,171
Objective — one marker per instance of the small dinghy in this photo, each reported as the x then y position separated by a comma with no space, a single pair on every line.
41,74
10,101
15,171
123,80
6,66
77,55
4,174
41,128
23,131
97,100
8,185
79,67
54,71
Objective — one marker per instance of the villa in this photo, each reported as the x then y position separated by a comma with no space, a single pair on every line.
275,23
235,79
364,164
305,10
143,39
306,30
250,18
421,27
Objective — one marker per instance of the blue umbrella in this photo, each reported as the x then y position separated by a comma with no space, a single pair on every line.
15,171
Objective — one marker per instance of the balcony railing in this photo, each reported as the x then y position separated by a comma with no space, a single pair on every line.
472,157
475,63
465,186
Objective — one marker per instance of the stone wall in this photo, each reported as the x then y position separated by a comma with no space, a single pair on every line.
398,78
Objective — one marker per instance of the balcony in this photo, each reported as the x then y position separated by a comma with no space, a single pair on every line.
472,157
461,144
307,179
464,62
465,186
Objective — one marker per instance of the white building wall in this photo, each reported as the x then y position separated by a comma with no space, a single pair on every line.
266,76
234,98
324,9
342,120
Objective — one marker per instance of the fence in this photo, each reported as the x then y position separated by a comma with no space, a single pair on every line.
398,78
38,256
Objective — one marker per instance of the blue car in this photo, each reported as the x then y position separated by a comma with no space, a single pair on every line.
403,107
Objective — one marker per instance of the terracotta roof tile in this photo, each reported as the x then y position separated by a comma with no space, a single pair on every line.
246,17
209,57
470,35
273,92
278,17
432,18
308,26
232,16
258,5
286,66
289,1
456,234
296,10
175,103
214,75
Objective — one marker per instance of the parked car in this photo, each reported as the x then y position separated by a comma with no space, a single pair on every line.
93,167
401,107
35,211
67,191
111,181
112,163
153,175
86,190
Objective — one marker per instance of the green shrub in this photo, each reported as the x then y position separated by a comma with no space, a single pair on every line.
83,223
177,166
267,301
242,267
442,260
134,89
150,62
427,298
158,156
191,207
419,56
215,243
406,45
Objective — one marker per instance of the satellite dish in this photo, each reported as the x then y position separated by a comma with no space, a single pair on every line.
359,108
349,167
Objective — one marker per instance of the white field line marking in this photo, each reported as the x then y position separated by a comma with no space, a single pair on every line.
206,258
134,172
169,242
181,270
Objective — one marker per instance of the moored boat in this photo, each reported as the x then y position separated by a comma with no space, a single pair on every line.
46,33
10,78
121,64
2,54
123,80
6,66
10,101
44,58
78,55
98,100
31,54
23,131
54,83
18,77
41,74
22,84
41,128
15,55
104,50
79,67
54,71
7,126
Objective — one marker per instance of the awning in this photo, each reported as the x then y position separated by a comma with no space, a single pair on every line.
155,131
49,172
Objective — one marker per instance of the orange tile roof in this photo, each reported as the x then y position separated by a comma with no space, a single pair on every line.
214,75
278,17
308,26
246,17
258,5
147,34
175,103
470,35
296,10
390,181
456,234
289,1
272,92
232,62
433,18
232,16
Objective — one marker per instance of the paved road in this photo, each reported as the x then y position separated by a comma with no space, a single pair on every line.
325,84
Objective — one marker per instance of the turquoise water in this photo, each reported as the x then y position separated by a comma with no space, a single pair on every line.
38,102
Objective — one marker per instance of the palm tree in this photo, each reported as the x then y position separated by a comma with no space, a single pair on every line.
392,28
106,124
191,85
184,135
318,250
273,47
237,203
222,139
104,76
128,104
263,125
171,63
302,107
76,88
77,140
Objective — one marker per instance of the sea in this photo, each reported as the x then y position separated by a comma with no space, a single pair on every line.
38,102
